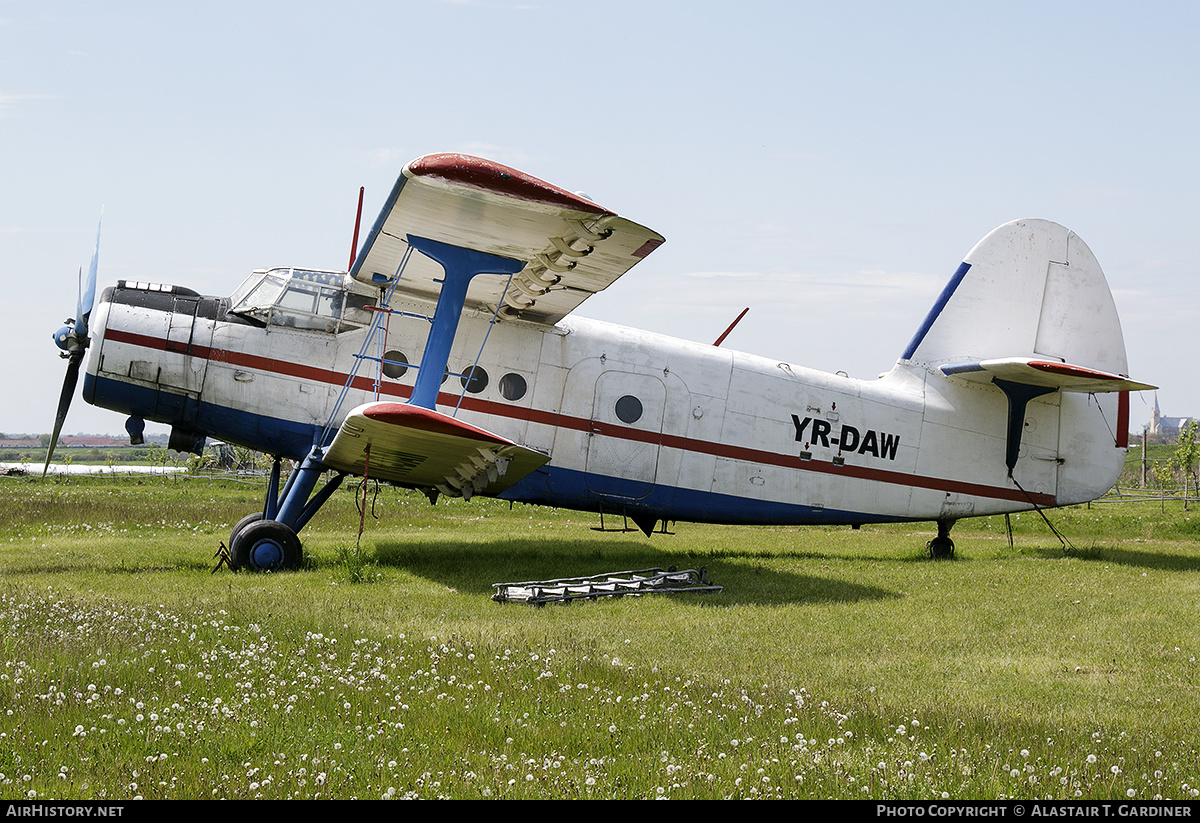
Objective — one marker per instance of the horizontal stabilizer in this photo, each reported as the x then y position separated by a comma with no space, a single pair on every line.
1047,373
421,448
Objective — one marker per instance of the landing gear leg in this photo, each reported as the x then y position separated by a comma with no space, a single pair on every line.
941,546
268,541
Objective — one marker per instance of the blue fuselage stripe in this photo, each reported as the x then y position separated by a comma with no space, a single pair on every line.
550,485
572,489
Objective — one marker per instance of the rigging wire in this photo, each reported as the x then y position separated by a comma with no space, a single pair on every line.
1104,417
372,331
479,354
1066,544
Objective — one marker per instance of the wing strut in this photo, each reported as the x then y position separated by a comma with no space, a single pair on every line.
460,265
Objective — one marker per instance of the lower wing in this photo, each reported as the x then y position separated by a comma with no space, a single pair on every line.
421,448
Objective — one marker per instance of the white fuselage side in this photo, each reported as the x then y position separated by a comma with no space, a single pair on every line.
631,420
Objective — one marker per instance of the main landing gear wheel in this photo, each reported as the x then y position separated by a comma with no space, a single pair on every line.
237,529
264,546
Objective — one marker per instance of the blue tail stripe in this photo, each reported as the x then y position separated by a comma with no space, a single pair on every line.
936,311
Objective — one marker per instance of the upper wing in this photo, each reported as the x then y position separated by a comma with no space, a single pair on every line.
572,247
426,449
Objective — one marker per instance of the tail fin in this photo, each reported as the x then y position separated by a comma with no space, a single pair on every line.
1029,313
1030,292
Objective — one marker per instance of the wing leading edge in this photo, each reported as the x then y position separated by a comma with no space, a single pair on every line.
421,448
571,246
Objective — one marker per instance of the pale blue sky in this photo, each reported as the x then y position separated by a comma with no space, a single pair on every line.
826,164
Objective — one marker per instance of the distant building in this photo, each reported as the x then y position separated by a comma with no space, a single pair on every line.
1165,428
102,441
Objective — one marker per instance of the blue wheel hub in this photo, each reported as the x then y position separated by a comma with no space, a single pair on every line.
266,554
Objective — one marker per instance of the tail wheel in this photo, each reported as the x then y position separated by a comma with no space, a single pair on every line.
264,546
940,547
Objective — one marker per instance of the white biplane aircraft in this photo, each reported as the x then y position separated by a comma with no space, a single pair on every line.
460,370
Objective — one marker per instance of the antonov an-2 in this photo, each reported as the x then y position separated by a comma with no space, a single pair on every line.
448,359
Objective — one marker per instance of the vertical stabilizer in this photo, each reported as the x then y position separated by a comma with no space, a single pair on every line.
1028,320
1030,289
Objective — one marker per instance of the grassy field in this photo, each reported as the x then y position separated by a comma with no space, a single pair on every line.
836,662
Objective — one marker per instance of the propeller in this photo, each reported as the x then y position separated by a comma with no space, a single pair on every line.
72,338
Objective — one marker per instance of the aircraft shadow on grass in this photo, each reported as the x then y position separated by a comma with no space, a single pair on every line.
473,569
1165,561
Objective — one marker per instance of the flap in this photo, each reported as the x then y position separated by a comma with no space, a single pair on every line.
418,447
572,247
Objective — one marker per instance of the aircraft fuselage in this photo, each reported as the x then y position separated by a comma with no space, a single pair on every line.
632,421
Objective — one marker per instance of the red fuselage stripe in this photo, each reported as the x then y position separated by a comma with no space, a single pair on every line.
558,420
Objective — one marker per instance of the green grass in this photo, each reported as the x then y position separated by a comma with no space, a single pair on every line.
835,663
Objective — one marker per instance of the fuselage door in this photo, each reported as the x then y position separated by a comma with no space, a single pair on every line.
626,429
181,375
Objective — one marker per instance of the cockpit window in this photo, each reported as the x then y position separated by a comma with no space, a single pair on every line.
296,298
305,299
264,295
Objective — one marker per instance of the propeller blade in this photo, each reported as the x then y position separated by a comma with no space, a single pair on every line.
64,403
73,338
87,295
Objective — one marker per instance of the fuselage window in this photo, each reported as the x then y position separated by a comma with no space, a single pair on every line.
513,386
475,379
629,409
357,311
395,364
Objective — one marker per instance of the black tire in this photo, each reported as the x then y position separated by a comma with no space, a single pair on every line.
265,546
237,529
940,547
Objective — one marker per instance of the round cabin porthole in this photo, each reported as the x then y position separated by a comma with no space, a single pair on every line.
629,409
513,386
395,364
475,379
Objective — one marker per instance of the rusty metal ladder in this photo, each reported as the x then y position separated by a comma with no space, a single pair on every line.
612,584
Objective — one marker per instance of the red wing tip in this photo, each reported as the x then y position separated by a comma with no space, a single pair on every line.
415,417
1089,374
647,247
1076,371
496,178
